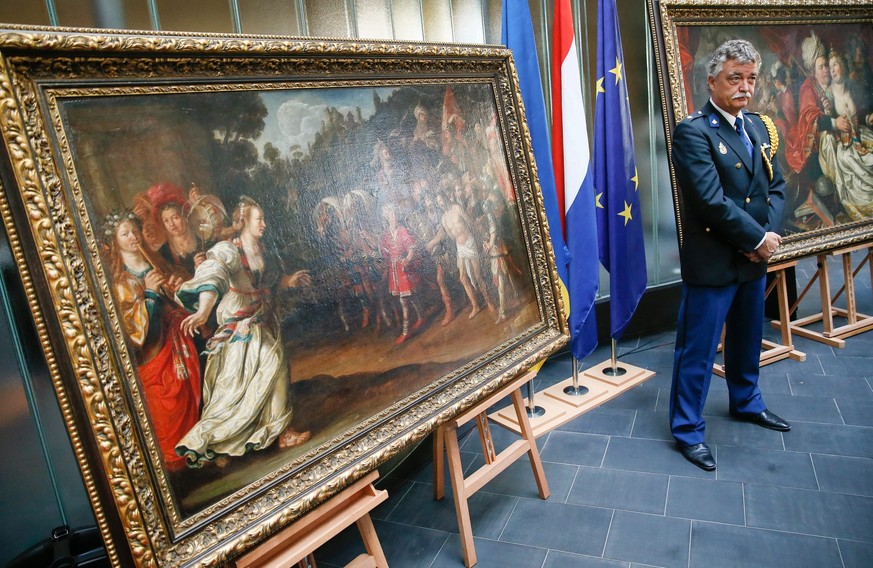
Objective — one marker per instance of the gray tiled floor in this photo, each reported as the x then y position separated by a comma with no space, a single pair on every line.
623,497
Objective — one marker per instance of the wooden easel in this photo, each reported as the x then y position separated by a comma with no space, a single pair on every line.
770,350
294,545
855,322
446,438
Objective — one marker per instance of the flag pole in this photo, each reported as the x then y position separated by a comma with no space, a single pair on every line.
614,370
575,389
533,411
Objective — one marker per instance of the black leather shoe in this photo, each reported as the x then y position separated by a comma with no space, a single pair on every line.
765,419
699,455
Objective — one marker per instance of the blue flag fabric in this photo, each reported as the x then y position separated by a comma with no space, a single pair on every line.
519,37
616,183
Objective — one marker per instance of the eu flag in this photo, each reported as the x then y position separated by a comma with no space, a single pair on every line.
616,183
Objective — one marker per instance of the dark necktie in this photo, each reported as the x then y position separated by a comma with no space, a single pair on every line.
743,136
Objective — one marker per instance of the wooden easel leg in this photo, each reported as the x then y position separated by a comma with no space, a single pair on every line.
294,545
371,541
870,264
485,438
439,473
784,315
851,307
825,291
456,471
533,453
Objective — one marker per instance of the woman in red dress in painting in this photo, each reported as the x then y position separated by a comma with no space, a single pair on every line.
169,370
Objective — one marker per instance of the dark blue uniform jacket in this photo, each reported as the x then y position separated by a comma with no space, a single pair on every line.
728,199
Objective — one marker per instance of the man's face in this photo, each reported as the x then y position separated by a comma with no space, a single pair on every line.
733,87
822,72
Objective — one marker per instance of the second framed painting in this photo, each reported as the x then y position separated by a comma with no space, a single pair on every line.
815,82
261,267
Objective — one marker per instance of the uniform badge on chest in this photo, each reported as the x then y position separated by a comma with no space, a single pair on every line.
722,148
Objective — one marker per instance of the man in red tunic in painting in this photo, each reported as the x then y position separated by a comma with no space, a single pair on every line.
398,247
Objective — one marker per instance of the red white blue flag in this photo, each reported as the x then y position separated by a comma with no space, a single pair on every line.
574,182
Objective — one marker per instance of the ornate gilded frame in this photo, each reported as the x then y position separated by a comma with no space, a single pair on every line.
674,22
52,231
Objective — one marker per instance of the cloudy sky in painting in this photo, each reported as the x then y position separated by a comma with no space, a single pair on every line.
296,115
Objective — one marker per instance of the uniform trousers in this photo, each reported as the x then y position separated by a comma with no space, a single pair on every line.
702,314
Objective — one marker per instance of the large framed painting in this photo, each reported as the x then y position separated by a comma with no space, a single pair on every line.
815,82
261,267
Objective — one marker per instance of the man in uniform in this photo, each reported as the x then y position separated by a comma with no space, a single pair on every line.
733,197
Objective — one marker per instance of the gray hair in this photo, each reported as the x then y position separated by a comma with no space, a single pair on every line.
739,50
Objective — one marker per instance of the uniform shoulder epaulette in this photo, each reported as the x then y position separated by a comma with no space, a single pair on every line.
694,115
773,134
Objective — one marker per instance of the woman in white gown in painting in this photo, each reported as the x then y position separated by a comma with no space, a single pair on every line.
246,387
846,156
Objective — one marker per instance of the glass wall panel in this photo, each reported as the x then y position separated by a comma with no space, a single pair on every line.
195,16
26,13
437,20
634,38
272,17
374,19
407,20
136,15
541,16
493,21
75,13
20,524
36,497
666,241
468,21
327,18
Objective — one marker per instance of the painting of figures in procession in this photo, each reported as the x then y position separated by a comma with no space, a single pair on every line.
287,263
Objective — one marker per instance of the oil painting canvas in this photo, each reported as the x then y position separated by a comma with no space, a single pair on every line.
815,83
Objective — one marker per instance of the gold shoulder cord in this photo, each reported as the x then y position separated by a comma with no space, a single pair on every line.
774,144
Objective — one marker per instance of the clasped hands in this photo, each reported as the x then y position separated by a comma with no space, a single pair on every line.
767,248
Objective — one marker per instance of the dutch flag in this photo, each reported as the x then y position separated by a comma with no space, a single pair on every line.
574,182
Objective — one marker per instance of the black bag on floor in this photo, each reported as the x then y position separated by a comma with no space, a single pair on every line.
66,548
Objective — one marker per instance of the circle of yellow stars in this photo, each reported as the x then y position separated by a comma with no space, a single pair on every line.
626,212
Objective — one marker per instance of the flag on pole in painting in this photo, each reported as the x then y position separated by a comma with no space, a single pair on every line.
519,37
616,182
574,182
